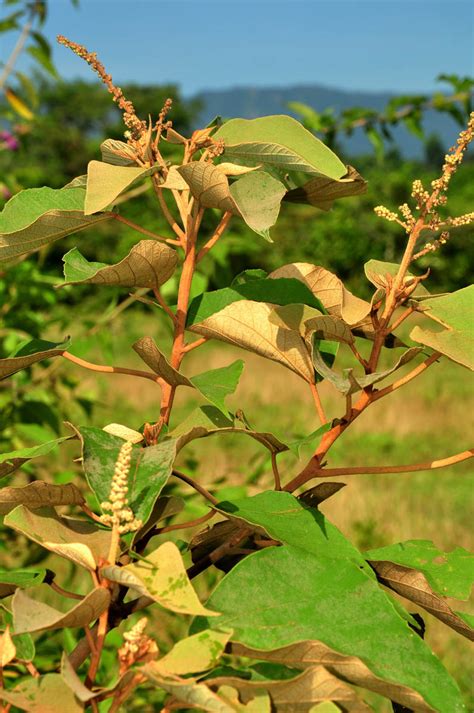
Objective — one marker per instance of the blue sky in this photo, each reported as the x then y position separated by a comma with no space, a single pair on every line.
350,44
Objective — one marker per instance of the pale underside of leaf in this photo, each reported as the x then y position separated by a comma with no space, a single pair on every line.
196,694
174,181
246,324
350,668
163,578
413,585
106,181
258,197
78,540
299,694
13,364
7,647
194,654
31,615
156,360
117,153
327,287
148,264
38,216
124,432
39,494
209,185
47,694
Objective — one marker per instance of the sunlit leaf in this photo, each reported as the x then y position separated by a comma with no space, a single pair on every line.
258,197
148,264
156,360
118,153
162,577
312,594
106,181
278,141
7,647
77,540
454,312
192,655
46,694
215,385
32,615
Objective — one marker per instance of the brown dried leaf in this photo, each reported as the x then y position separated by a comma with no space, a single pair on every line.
247,324
32,615
38,494
413,585
314,653
156,360
300,694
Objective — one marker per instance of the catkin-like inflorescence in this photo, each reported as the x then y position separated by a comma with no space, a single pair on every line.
121,517
131,121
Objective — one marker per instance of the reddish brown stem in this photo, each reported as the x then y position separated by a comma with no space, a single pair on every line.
376,395
197,486
99,644
318,404
194,345
184,525
163,304
367,470
221,228
276,472
144,231
112,369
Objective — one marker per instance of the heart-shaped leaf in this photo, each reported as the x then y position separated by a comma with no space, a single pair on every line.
38,216
148,264
295,594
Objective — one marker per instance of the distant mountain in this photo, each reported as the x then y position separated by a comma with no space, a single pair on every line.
251,102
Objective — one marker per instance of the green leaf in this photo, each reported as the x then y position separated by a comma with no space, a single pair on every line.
296,445
450,574
39,494
215,385
454,313
31,615
11,579
208,420
322,191
9,462
30,353
46,694
10,21
149,471
162,577
378,272
312,594
43,58
258,197
284,291
77,540
278,141
105,182
248,276
148,264
38,216
194,654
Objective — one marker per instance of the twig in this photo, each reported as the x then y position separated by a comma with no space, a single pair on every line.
197,486
276,472
112,369
405,379
402,318
95,659
161,301
90,513
221,228
194,345
185,525
20,43
144,231
166,212
319,406
64,592
368,470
